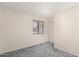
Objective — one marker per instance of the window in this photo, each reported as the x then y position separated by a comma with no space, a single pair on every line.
41,27
38,27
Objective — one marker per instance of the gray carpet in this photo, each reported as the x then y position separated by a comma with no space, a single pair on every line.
41,50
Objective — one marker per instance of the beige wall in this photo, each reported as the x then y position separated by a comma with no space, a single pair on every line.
51,31
66,30
16,30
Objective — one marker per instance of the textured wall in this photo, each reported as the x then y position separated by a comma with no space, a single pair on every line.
16,30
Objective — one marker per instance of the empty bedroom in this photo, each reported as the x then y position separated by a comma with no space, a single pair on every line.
39,29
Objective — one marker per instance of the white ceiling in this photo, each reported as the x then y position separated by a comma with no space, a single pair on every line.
46,9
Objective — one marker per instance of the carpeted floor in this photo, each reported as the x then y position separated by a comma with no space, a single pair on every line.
41,50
